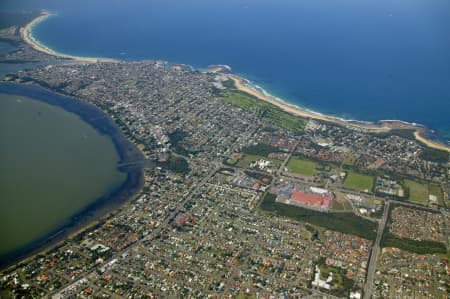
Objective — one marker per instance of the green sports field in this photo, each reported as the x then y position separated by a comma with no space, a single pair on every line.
357,181
302,167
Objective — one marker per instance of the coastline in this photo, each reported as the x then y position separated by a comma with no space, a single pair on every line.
242,86
383,126
418,135
26,34
240,83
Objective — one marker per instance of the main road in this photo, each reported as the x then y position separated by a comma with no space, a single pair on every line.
374,255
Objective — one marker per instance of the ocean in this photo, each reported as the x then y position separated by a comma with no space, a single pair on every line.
366,60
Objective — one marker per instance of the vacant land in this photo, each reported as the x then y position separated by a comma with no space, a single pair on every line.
435,190
268,112
340,203
302,167
357,181
418,193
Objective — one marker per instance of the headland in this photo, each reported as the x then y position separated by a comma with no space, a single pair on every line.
241,84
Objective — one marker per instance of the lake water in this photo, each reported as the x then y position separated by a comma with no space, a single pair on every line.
54,165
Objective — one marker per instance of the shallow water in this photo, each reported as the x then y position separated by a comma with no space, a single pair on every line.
53,166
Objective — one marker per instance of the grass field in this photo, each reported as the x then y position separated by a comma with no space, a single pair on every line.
248,159
357,181
418,192
268,112
302,167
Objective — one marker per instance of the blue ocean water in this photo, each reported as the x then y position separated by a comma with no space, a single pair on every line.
367,60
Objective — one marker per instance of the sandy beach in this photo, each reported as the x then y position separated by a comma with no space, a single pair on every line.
383,126
27,36
430,143
240,85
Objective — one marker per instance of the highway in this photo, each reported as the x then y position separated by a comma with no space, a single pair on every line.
374,255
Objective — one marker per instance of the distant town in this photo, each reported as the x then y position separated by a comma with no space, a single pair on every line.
241,199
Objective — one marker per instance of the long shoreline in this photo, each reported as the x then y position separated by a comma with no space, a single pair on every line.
241,86
379,127
26,34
